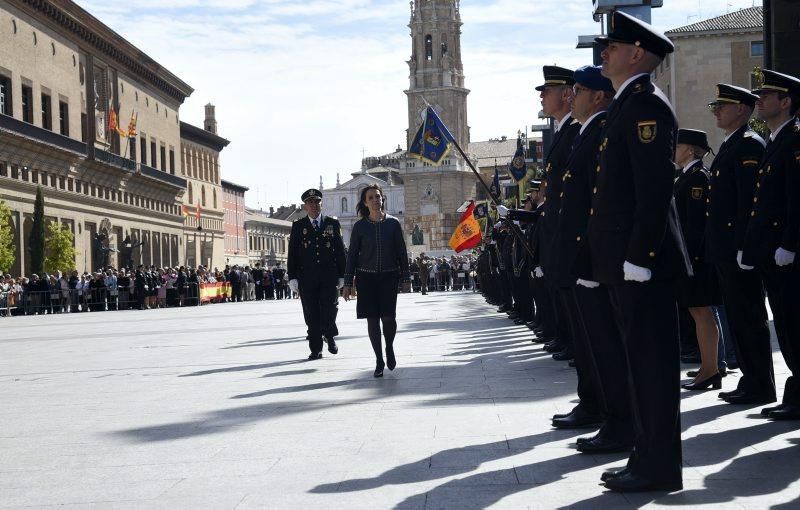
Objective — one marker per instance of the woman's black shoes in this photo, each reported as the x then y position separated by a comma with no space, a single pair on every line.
694,373
715,382
390,361
378,370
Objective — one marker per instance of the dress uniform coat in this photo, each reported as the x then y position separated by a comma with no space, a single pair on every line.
633,219
775,223
316,259
732,185
691,192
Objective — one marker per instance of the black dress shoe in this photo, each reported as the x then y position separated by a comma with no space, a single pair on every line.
578,419
519,322
602,445
554,346
787,412
694,373
726,394
613,473
571,363
746,399
713,382
314,355
332,347
630,482
391,362
378,370
564,355
765,412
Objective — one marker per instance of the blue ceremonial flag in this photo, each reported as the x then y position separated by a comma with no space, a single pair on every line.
481,211
433,140
494,188
517,167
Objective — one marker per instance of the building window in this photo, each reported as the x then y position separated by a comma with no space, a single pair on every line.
163,158
344,204
428,47
153,154
191,194
172,161
756,48
143,147
215,198
132,147
27,104
84,127
203,195
5,95
47,112
63,118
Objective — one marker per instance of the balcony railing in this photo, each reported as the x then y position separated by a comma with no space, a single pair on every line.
115,160
19,127
162,176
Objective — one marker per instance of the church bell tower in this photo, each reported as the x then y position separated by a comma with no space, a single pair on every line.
436,75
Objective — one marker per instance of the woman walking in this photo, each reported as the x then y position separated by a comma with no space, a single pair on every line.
378,261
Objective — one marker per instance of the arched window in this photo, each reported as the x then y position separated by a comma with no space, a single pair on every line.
344,204
203,195
215,199
191,195
428,47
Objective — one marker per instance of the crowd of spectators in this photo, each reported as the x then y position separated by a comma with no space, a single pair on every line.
145,287
454,273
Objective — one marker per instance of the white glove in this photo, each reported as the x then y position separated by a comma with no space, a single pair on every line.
294,286
636,273
784,257
340,283
502,211
588,284
538,273
739,261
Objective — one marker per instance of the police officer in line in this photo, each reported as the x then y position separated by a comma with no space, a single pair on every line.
556,95
635,249
732,184
316,264
773,232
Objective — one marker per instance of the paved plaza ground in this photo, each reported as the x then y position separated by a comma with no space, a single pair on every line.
216,407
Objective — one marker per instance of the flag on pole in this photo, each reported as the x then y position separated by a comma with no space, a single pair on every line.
185,210
494,188
481,211
197,216
112,120
468,232
433,140
132,125
517,168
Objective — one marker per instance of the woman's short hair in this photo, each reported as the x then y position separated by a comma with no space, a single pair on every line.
362,208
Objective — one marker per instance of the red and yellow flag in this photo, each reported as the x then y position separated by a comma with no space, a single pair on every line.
468,232
185,210
197,213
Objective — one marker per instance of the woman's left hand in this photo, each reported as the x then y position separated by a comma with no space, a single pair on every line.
406,287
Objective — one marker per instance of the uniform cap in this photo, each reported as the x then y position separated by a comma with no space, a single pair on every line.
590,77
555,76
778,82
535,184
731,94
311,194
693,137
627,29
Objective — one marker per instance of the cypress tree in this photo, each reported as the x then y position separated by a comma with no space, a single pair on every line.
36,239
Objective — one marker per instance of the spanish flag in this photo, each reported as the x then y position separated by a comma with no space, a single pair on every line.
197,216
468,232
185,210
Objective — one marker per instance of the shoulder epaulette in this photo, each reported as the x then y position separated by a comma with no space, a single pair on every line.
755,136
334,218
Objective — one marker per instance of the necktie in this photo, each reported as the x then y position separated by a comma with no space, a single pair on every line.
316,225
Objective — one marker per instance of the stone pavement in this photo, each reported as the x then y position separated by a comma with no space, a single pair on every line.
216,407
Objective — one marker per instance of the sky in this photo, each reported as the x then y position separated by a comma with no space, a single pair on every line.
303,88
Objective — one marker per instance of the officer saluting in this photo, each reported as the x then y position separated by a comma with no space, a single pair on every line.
316,263
635,248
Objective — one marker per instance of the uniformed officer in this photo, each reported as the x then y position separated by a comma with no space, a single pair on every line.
697,293
316,263
731,188
635,248
773,233
556,95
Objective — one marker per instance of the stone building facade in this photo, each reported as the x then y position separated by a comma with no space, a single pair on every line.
267,238
200,152
432,194
62,72
724,49
235,213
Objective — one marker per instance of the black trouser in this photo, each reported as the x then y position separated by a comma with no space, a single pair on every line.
559,321
259,291
783,291
608,363
505,289
279,291
743,295
545,309
320,299
647,317
587,385
522,297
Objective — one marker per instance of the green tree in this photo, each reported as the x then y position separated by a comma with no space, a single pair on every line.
758,125
6,238
60,252
36,239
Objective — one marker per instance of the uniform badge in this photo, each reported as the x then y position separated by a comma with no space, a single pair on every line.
697,193
305,231
328,244
329,230
646,130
